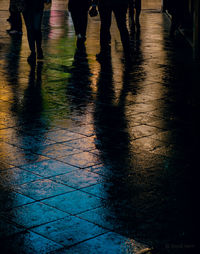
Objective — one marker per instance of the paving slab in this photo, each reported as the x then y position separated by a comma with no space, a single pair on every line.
74,203
69,231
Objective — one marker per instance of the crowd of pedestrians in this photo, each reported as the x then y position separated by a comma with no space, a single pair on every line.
79,11
32,13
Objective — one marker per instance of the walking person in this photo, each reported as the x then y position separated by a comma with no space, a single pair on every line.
79,13
106,8
16,7
33,14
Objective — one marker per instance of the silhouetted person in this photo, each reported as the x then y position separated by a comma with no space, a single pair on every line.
15,19
134,13
119,8
79,13
33,19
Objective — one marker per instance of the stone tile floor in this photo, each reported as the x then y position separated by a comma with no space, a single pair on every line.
98,158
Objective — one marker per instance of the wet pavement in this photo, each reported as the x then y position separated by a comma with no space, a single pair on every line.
98,158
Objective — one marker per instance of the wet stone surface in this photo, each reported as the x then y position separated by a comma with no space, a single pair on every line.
98,157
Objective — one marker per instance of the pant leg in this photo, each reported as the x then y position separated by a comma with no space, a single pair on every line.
75,19
37,28
83,23
16,21
80,20
28,18
106,18
120,15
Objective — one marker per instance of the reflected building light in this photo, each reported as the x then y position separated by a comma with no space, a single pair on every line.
56,21
149,4
71,32
59,5
148,102
94,69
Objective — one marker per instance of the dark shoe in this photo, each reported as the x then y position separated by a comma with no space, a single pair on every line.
40,55
32,58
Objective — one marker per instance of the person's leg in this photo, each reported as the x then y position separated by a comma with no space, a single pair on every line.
83,23
12,19
106,17
80,20
15,22
120,15
75,20
28,18
37,23
18,22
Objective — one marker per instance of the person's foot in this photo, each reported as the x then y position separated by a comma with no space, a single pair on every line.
40,55
32,58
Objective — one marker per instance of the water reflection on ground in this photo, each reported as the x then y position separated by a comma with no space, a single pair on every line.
97,156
